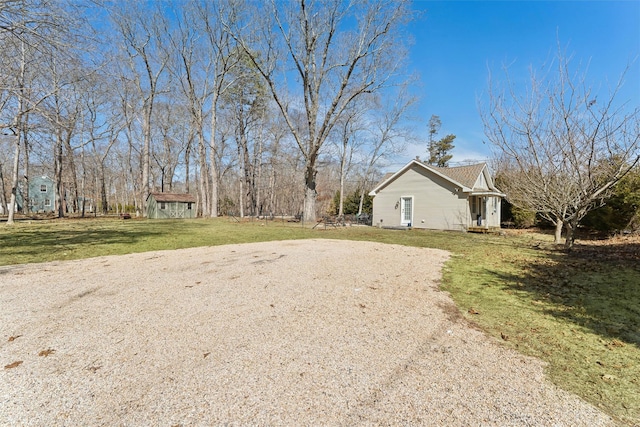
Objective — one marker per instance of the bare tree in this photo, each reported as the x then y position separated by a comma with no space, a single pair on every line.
170,142
388,133
103,123
348,138
562,146
275,166
3,194
143,32
192,69
339,51
203,60
62,110
29,30
17,126
247,104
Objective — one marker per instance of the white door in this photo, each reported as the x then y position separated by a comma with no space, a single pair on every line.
406,211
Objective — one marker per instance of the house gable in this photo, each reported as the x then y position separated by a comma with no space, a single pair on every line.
483,181
434,173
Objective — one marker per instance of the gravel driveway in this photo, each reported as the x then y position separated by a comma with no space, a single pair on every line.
314,332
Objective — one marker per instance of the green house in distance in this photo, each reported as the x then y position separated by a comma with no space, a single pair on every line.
171,205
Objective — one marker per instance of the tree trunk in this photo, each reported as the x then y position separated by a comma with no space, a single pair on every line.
205,190
103,191
18,133
248,175
82,182
187,159
27,174
571,227
14,180
146,160
241,198
309,213
558,232
3,196
361,204
212,155
72,167
58,175
272,192
258,178
342,168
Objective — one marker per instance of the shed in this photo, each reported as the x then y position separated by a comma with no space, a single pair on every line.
171,205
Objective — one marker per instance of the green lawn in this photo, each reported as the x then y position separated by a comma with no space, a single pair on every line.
579,312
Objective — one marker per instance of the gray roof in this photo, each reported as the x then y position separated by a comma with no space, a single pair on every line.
465,175
173,197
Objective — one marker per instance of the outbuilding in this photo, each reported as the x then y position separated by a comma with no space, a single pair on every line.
171,205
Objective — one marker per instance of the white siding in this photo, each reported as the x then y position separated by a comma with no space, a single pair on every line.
436,204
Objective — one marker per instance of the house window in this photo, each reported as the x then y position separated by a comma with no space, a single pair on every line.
189,206
43,188
162,205
47,202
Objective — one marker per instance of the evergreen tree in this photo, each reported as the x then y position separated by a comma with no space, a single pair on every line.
352,203
439,150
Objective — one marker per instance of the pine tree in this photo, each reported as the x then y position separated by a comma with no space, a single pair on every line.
439,150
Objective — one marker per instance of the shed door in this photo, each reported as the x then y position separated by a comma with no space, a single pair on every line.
406,211
176,210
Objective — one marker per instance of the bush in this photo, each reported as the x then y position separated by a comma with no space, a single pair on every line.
352,203
622,211
519,217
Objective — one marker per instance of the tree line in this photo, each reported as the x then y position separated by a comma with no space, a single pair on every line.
257,108
269,108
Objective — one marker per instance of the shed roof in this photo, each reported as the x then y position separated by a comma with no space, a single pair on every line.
173,197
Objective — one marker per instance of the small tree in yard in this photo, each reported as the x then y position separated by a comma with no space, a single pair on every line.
560,148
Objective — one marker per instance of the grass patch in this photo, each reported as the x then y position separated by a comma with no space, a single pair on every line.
579,312
580,315
41,241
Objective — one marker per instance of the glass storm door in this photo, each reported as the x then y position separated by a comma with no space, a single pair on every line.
406,211
478,211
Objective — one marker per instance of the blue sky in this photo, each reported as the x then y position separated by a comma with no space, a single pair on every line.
456,42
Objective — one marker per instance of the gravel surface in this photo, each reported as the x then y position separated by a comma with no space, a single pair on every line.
314,332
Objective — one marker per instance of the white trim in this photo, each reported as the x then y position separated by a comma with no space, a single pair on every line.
487,193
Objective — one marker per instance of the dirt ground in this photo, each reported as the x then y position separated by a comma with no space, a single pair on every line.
314,332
